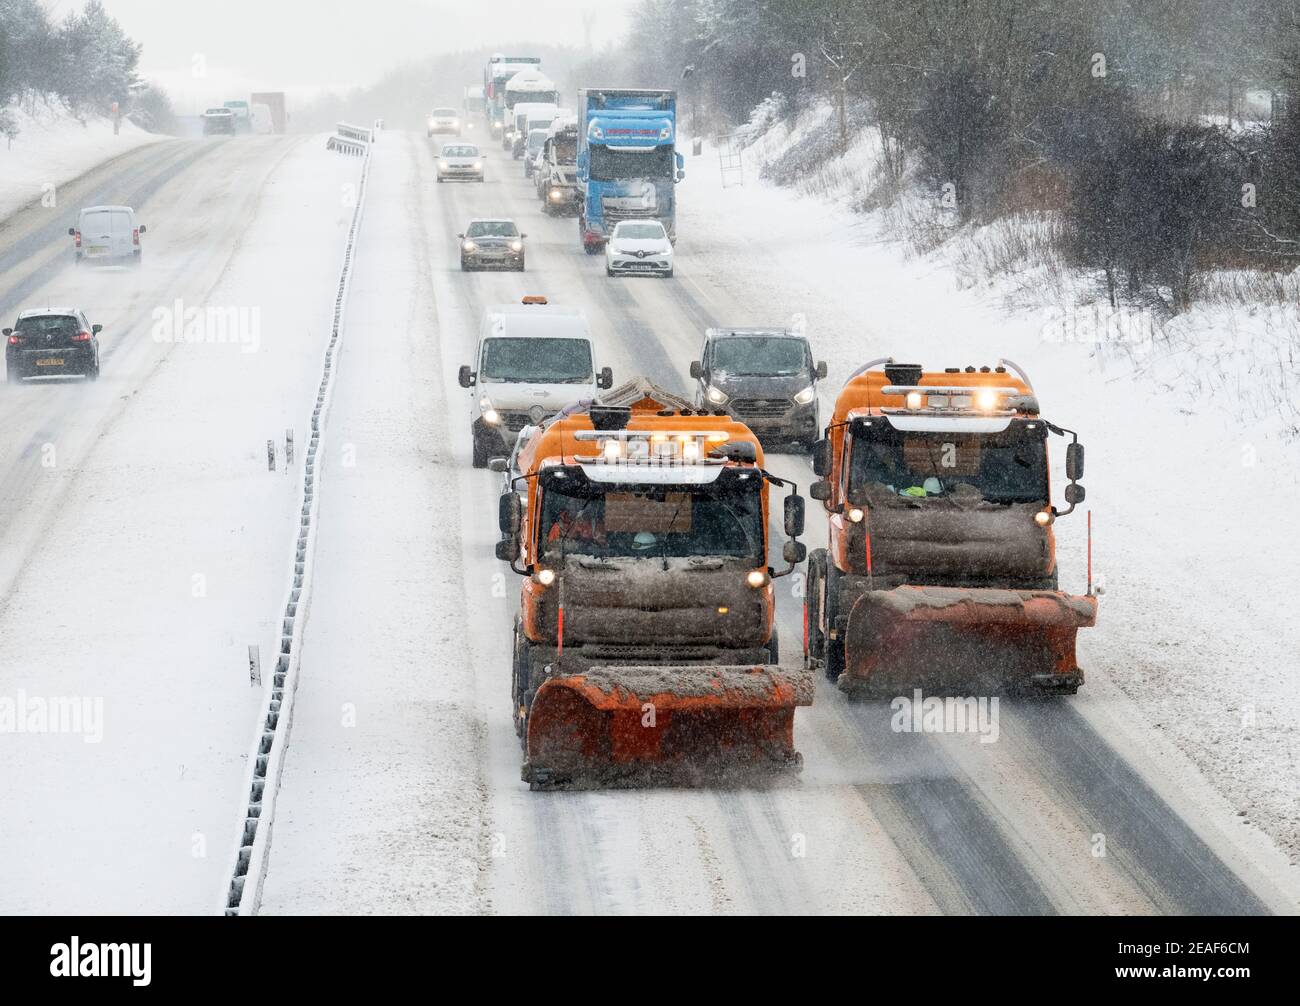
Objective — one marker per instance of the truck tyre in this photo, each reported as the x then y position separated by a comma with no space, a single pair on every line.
833,659
812,599
481,450
519,681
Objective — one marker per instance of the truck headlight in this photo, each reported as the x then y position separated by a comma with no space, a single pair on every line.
556,195
469,246
490,415
756,578
717,396
805,396
545,577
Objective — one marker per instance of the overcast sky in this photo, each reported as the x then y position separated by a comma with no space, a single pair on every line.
299,45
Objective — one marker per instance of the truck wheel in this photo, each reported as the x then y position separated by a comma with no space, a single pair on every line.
481,451
833,658
519,682
812,604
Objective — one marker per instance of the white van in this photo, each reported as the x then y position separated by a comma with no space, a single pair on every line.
106,235
532,360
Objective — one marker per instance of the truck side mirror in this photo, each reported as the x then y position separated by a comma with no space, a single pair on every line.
821,370
821,458
794,552
1074,461
794,514
820,491
466,377
1074,493
696,370
510,513
605,379
508,549
498,465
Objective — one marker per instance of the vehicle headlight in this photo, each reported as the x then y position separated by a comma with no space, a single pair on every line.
478,165
556,195
443,164
717,396
432,123
490,415
546,577
757,578
469,246
805,396
516,245
856,515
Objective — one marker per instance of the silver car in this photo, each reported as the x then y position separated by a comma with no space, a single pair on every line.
461,161
492,244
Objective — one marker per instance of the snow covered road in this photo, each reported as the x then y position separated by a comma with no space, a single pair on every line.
401,789
144,545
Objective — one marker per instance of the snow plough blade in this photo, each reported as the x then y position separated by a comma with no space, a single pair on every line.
953,638
689,724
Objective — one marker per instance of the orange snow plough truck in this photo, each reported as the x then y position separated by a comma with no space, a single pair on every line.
644,647
941,565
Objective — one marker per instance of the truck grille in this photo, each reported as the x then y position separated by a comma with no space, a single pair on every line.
761,408
516,421
614,216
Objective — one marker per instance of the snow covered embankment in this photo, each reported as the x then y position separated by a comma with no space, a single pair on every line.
53,146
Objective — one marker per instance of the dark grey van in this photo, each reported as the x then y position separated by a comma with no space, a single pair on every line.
765,377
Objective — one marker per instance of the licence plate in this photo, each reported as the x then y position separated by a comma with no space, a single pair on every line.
50,362
96,250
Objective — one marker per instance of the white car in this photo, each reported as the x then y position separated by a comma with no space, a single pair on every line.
444,120
639,246
460,160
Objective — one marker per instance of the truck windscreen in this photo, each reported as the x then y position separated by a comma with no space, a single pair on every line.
582,517
566,149
536,361
1004,468
609,165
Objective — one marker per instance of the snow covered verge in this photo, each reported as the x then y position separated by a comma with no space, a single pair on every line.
52,145
1240,343
1190,424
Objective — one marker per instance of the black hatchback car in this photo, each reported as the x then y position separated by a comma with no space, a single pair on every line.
52,343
